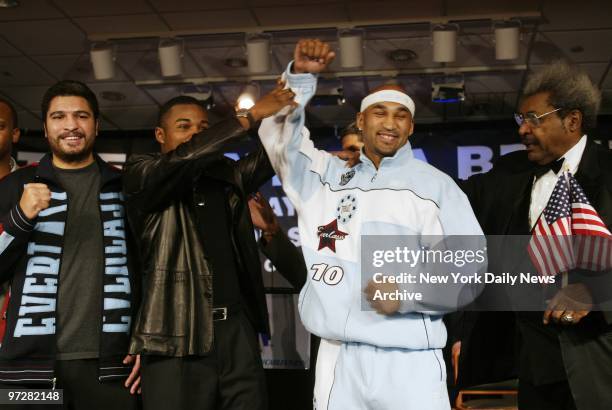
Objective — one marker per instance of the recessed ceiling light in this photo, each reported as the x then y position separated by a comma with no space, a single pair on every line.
402,55
235,62
8,4
113,96
577,49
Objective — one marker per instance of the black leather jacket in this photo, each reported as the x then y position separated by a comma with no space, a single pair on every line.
175,317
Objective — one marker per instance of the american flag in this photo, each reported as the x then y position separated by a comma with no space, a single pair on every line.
570,234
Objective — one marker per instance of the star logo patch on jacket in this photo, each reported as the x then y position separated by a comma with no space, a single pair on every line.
346,208
329,234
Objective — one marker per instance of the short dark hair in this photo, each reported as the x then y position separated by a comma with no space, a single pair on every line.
568,88
70,88
179,100
13,111
351,129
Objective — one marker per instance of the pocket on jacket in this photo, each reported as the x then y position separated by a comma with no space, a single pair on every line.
164,309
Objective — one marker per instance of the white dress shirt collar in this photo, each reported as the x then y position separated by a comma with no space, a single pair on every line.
573,156
543,186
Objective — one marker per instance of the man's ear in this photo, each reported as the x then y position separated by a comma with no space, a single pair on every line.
16,134
573,121
359,121
160,136
97,126
45,130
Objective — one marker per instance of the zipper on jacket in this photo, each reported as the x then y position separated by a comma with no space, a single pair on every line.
54,382
374,177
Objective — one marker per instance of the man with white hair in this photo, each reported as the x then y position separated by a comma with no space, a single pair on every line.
387,357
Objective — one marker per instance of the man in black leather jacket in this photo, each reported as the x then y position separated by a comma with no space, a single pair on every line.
203,299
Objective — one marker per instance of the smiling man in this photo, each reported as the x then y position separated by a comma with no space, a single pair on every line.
63,245
388,356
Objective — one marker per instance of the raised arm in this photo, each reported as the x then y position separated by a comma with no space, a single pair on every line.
284,136
152,180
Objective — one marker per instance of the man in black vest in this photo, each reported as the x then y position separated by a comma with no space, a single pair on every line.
565,353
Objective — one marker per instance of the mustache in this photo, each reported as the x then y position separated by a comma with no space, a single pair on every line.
528,139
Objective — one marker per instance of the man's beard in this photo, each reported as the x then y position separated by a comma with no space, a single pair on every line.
71,157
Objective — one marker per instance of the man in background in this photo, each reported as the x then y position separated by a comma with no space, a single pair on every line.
351,138
9,136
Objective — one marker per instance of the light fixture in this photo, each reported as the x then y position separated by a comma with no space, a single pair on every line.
170,57
447,90
402,55
351,48
445,43
247,98
113,96
507,40
258,53
8,4
235,62
328,97
102,61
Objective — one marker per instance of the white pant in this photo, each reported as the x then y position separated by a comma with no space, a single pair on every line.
324,372
356,376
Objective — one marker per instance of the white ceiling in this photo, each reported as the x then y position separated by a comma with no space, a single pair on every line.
43,41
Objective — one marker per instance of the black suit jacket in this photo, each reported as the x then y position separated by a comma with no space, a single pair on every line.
581,353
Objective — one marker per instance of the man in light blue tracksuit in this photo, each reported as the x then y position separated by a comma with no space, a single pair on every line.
389,357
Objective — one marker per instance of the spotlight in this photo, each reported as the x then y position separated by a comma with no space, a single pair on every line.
328,98
170,57
351,48
445,43
447,90
258,53
507,40
102,61
248,97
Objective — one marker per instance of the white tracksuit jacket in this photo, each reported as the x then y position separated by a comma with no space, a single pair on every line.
405,196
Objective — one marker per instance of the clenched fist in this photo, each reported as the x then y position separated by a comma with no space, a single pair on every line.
35,198
383,305
273,102
312,56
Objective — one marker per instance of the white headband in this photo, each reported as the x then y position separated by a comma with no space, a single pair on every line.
389,96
